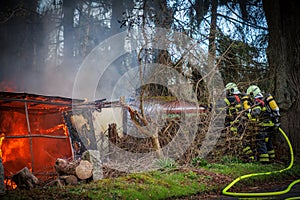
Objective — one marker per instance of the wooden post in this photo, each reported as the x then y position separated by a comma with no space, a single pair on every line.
156,145
112,136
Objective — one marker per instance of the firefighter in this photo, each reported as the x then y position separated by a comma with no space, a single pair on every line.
234,118
248,138
233,102
265,113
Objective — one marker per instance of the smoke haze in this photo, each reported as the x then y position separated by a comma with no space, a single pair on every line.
41,52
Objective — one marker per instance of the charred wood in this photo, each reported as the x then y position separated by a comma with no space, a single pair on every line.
24,179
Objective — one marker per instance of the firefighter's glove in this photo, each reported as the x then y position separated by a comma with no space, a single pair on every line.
277,124
276,120
275,114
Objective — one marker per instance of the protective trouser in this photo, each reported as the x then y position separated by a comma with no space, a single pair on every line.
234,128
264,142
248,153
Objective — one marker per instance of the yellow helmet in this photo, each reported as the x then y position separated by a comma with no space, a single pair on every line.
253,90
232,88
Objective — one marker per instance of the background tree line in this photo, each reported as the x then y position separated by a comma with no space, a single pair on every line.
44,42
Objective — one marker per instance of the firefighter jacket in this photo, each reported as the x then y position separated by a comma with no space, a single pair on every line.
262,113
234,106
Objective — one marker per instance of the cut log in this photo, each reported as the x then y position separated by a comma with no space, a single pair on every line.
65,167
80,168
93,157
84,170
24,179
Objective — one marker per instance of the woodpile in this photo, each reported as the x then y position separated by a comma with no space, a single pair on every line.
68,172
71,172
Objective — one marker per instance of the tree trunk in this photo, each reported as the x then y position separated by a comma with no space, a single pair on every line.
284,58
212,46
118,12
213,30
67,22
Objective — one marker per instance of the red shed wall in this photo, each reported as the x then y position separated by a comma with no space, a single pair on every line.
34,140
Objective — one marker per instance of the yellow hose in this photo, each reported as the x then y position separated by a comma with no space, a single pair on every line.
260,194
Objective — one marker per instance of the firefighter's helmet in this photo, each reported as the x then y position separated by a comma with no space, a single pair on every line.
232,88
253,90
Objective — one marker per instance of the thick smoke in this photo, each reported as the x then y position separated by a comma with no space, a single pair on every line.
32,56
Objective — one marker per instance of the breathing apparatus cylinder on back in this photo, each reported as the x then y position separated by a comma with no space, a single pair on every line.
245,100
272,104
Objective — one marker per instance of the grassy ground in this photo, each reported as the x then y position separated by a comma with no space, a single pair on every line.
168,183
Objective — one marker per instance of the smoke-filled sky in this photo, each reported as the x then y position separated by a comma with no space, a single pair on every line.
48,80
32,58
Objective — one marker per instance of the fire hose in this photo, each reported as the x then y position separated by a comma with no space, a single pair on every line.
265,194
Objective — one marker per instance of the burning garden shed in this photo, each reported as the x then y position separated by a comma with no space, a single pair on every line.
35,130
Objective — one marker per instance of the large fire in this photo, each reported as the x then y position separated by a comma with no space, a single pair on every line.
2,136
32,135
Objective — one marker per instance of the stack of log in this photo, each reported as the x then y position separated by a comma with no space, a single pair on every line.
71,172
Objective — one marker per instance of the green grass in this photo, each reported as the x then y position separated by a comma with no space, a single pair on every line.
168,183
153,185
270,172
239,169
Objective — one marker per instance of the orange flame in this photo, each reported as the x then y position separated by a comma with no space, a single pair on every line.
55,128
31,146
7,182
7,87
10,185
2,137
